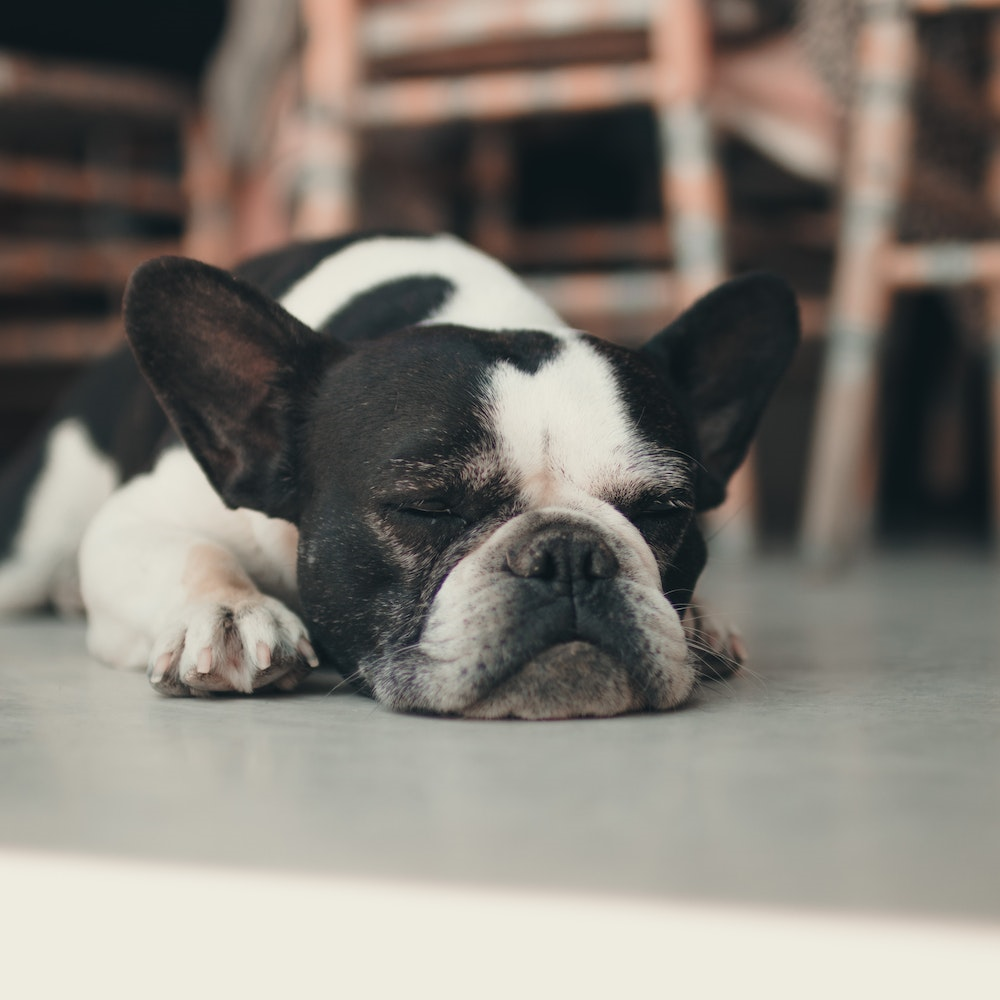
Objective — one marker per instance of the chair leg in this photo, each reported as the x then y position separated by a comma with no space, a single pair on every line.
838,507
993,317
324,187
993,292
693,199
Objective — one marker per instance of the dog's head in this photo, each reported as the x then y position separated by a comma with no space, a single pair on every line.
490,524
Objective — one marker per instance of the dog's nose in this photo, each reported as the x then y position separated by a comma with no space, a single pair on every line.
566,558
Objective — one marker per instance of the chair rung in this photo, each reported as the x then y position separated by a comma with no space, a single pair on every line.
86,87
89,185
58,341
396,29
26,265
592,293
943,264
944,6
639,241
506,94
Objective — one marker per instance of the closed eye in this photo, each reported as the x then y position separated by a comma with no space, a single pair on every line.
665,507
429,509
661,507
428,506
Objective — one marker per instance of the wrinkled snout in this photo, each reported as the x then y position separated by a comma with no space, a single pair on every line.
558,614
566,559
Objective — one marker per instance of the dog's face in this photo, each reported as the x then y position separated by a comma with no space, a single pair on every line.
489,524
498,536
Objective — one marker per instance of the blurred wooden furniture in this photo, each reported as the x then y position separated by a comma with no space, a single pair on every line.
872,264
431,61
90,185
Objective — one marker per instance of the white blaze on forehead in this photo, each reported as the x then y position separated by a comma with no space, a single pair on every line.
564,430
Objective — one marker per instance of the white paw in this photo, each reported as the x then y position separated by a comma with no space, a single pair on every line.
718,647
238,645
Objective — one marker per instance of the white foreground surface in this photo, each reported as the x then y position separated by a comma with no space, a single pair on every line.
114,929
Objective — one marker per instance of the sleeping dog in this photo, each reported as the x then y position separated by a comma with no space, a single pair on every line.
388,455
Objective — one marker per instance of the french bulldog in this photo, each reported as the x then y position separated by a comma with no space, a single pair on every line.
389,456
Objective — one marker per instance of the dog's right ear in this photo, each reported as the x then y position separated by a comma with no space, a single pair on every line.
232,370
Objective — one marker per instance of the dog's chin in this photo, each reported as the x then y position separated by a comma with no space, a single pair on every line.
567,681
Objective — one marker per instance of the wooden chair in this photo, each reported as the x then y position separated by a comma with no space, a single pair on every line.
441,60
872,264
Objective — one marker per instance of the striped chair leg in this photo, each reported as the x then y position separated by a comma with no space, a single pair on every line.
993,315
324,186
692,187
836,512
993,292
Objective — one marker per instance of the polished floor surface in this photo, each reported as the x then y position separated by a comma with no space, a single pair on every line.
854,769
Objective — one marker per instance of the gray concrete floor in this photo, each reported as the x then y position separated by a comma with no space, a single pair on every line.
855,768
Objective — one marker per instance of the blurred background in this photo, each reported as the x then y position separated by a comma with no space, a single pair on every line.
624,156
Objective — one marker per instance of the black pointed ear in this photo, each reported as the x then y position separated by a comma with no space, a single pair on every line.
232,370
724,356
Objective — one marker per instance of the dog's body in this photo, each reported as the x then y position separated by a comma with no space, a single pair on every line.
476,510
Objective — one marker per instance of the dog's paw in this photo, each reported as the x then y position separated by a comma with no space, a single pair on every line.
718,648
240,645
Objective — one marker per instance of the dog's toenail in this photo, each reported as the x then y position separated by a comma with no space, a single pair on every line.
305,648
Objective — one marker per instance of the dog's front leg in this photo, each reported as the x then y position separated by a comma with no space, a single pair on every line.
166,588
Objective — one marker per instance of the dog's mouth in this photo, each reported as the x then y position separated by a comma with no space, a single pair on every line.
568,680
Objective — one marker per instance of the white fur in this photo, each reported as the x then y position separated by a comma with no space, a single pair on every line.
564,430
487,295
136,552
74,481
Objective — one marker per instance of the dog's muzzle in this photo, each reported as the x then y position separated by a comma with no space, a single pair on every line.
559,614
563,565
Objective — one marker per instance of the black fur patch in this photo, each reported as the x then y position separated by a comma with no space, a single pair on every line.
388,307
234,371
15,484
117,409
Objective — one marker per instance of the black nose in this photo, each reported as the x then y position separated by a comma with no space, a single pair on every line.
569,559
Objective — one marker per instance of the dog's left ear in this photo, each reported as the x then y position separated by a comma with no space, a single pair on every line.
724,356
233,371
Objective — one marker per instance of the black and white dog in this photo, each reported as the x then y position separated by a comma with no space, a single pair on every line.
401,461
